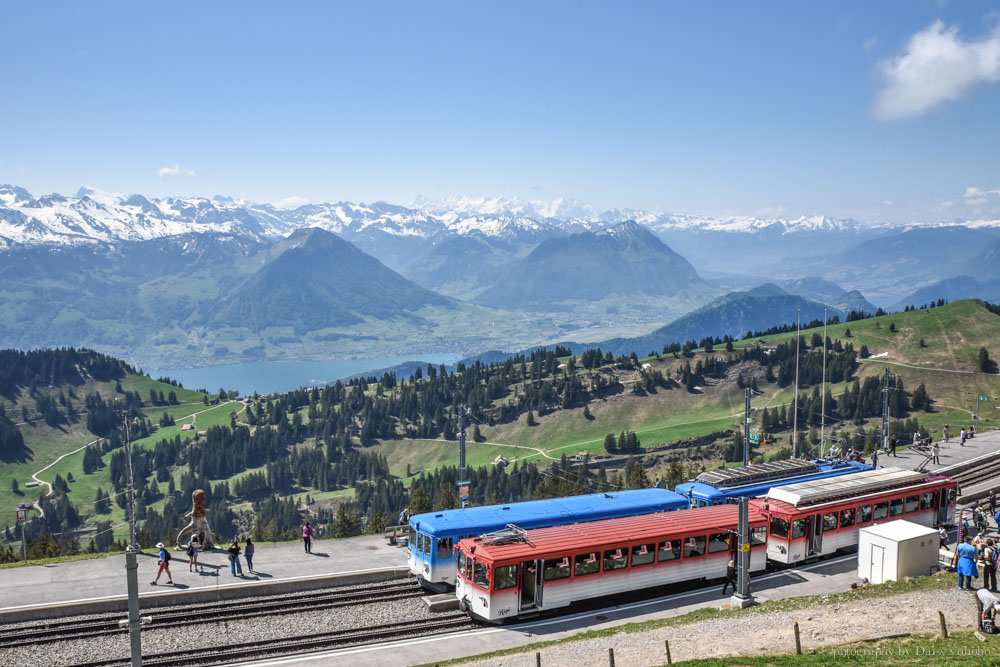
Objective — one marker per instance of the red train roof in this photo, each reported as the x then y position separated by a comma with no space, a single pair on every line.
609,532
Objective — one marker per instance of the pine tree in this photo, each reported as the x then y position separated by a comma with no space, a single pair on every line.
420,501
347,523
531,418
610,445
984,360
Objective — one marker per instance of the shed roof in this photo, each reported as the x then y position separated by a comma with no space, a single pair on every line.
900,530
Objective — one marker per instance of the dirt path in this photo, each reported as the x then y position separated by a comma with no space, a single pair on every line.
923,368
35,475
759,633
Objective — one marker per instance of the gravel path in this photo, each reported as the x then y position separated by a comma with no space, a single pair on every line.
760,632
224,632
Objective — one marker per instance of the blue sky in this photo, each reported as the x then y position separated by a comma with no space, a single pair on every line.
876,110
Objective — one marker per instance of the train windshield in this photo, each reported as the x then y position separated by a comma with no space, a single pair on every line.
413,537
779,527
461,560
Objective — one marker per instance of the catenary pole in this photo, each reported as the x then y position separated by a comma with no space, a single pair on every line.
822,419
742,597
131,563
462,486
885,410
795,402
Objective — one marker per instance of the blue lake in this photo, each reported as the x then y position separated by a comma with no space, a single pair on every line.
267,377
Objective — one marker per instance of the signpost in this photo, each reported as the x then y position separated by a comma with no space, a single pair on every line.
755,438
22,518
979,399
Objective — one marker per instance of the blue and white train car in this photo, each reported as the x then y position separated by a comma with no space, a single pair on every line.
717,487
433,535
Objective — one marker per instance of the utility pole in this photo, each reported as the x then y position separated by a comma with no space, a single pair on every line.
463,483
795,402
131,564
22,518
885,410
742,598
822,418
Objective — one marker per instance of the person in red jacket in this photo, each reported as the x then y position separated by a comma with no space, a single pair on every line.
307,537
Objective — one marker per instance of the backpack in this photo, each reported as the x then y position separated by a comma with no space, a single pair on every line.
166,556
190,552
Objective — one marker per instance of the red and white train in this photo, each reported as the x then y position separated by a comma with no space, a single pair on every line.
817,518
517,573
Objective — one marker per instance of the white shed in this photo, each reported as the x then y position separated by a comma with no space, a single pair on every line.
897,549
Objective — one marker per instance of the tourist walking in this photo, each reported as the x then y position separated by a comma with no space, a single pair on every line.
164,563
946,432
248,550
234,558
992,501
961,436
730,577
307,537
892,445
936,454
943,534
192,552
967,555
875,459
990,565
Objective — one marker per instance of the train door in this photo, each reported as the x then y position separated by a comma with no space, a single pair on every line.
942,508
814,528
531,585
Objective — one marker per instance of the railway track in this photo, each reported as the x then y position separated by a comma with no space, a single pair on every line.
295,645
291,603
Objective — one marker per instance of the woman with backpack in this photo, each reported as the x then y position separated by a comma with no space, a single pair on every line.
192,553
990,557
234,558
164,565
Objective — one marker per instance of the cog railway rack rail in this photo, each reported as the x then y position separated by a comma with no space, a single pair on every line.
294,645
107,624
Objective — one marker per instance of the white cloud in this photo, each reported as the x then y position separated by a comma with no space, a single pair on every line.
290,202
976,193
936,66
175,169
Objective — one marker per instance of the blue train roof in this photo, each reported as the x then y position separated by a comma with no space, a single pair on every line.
716,486
554,511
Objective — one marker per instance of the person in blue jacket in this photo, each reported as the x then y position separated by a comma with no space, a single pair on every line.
967,571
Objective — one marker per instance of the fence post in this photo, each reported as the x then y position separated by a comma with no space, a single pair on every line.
538,659
798,642
944,626
611,657
666,642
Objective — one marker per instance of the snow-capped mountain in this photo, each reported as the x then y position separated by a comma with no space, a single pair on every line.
94,216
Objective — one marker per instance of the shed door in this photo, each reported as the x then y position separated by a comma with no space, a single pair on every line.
878,562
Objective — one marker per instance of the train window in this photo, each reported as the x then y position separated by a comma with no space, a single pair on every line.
427,544
481,574
881,511
758,536
798,528
505,577
694,547
615,559
912,503
864,514
413,537
556,568
952,495
468,568
444,547
895,506
927,500
847,517
829,521
643,554
718,542
461,561
585,564
669,550
779,527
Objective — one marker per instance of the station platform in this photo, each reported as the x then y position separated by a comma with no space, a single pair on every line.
952,453
84,586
